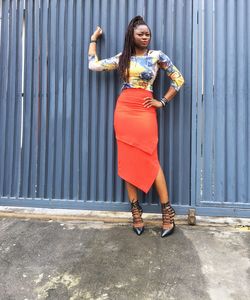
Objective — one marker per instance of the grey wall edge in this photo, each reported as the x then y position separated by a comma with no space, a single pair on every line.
107,206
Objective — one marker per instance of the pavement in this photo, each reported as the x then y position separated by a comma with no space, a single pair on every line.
45,254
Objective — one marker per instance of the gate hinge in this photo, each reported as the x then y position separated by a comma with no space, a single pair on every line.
191,216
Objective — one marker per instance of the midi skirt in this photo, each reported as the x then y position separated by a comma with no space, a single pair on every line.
136,132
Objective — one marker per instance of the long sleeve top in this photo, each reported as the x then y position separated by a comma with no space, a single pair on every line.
143,69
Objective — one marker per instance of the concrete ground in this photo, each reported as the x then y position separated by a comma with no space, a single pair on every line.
49,258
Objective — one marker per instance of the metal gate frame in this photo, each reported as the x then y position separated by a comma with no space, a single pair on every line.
209,183
186,192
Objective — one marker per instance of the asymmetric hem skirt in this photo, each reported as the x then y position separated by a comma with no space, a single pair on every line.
136,132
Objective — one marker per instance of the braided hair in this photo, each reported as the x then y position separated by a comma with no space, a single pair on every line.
129,47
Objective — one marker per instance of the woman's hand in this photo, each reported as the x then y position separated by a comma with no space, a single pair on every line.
149,102
96,35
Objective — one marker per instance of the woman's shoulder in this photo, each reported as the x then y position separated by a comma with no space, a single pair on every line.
156,53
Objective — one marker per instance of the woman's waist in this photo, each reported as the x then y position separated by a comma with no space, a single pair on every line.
133,105
134,95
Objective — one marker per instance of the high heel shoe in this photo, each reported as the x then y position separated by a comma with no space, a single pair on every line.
168,214
137,211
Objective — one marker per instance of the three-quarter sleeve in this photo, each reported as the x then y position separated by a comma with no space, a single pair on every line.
173,73
107,64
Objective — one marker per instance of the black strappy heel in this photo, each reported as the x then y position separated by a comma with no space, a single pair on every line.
168,214
137,211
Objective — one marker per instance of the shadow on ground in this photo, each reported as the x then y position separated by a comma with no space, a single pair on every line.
74,260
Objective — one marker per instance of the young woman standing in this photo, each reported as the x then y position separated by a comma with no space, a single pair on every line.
135,119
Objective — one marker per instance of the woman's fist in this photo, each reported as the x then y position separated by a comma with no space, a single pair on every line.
97,33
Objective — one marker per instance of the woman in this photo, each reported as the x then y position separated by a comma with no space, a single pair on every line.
135,119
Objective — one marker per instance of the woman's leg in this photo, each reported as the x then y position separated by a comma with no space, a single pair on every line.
168,212
136,210
132,192
161,186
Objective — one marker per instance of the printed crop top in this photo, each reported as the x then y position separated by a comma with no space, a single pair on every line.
143,69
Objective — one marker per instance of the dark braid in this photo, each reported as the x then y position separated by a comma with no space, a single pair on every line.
129,47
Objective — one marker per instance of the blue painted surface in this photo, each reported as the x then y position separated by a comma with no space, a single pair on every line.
221,106
57,141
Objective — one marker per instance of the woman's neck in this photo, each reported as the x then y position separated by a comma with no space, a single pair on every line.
140,52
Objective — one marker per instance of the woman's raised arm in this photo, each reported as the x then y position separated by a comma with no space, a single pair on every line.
93,40
95,64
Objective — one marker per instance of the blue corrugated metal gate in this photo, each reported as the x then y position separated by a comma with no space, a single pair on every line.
56,117
220,101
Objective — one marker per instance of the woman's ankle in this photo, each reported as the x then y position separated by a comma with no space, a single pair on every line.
133,200
165,202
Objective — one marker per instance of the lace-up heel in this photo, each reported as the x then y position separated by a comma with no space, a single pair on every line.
137,211
168,214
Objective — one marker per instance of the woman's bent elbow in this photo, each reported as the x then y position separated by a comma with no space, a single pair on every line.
181,82
91,67
95,67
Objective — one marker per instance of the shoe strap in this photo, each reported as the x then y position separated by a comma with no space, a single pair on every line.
136,212
168,214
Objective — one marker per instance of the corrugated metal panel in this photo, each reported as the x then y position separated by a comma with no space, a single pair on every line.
223,140
57,142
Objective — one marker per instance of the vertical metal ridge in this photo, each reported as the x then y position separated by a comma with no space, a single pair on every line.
94,113
68,103
35,103
77,93
18,102
101,108
3,86
85,107
179,104
231,104
58,194
10,105
194,83
220,101
198,96
208,130
186,99
247,12
112,49
50,149
241,103
168,116
27,99
43,101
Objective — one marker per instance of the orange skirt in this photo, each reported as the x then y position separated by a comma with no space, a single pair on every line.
136,132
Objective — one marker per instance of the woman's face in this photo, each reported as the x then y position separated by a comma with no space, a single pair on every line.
142,36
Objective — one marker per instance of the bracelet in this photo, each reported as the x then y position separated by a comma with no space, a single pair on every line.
93,41
165,101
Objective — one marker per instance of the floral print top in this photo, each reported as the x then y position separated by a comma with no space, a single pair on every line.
143,69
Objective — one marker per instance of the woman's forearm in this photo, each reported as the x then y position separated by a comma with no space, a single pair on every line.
94,37
170,93
92,49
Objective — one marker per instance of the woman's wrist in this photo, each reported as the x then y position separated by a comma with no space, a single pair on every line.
93,39
164,101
